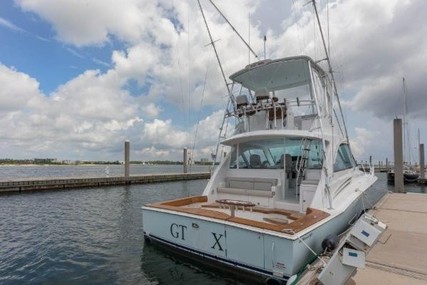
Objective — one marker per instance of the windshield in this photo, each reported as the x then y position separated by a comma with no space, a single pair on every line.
275,153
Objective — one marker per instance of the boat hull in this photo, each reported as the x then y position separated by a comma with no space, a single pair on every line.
259,252
407,177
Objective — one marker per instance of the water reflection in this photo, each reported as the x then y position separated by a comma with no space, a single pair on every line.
162,267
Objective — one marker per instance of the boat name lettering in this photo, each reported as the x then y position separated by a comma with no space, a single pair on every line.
177,231
217,238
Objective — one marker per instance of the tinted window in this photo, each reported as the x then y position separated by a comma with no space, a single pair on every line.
271,153
344,159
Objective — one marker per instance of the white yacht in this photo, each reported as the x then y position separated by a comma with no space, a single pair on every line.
288,179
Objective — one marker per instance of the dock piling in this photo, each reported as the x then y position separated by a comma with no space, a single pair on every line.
398,155
127,148
185,162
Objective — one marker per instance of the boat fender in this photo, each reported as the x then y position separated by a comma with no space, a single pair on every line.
292,279
330,242
273,281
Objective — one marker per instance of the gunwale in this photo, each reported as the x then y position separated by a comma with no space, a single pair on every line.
297,222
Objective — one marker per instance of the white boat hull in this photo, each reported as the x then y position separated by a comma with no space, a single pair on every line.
264,253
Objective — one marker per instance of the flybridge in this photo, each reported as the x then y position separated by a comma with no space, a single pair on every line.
288,93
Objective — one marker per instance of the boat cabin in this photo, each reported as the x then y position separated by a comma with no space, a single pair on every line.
281,109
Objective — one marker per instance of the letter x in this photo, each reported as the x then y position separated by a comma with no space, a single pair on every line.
217,239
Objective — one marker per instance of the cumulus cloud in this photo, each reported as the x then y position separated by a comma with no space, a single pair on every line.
18,89
384,46
363,139
81,117
163,61
151,110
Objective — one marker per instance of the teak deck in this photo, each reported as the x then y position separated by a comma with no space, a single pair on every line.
298,223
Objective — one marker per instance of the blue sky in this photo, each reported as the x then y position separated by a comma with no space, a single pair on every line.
80,77
30,45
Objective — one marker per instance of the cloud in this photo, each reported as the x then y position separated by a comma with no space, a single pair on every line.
152,110
88,116
162,48
10,25
75,53
128,20
362,141
98,61
13,27
384,46
164,135
18,90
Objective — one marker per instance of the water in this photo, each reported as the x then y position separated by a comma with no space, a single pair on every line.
95,236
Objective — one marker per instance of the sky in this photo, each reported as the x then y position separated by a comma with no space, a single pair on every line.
80,77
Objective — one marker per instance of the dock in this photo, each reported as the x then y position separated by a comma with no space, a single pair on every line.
26,185
400,255
397,257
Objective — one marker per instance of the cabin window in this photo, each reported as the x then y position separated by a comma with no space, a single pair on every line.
315,155
272,153
344,159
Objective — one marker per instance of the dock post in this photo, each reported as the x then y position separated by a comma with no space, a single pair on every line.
386,164
127,158
185,162
422,162
398,156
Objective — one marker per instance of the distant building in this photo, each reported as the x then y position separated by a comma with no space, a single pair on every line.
45,160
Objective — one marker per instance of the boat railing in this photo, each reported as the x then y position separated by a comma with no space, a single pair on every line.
276,113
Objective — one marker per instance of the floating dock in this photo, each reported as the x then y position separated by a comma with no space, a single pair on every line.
24,185
400,255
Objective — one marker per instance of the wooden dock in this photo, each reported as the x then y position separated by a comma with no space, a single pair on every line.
400,255
24,185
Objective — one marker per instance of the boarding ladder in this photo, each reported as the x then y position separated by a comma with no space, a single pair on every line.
223,129
301,163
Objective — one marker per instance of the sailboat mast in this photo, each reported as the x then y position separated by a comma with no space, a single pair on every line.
406,133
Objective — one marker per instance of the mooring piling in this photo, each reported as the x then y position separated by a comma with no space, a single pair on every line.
398,155
127,161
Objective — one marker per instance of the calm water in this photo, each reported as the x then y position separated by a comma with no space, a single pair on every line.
94,236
